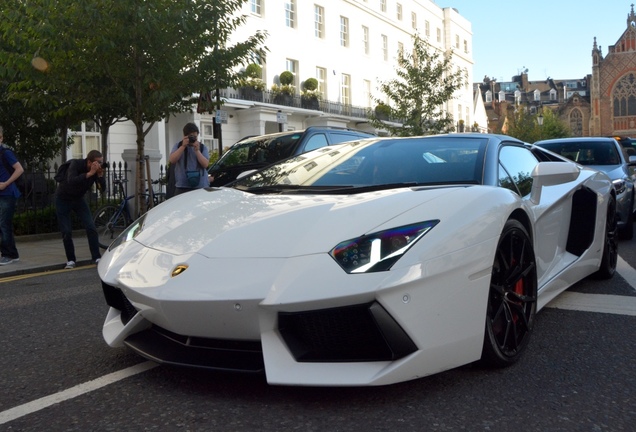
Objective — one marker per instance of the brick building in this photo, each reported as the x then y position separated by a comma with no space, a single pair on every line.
613,85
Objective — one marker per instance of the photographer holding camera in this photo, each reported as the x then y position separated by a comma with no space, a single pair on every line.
189,160
80,176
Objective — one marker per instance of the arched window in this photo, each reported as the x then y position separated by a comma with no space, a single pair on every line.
624,96
576,122
488,96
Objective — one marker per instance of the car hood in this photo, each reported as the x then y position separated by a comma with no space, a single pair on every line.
613,171
226,222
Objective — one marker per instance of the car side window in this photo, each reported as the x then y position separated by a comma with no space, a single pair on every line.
337,137
315,141
518,163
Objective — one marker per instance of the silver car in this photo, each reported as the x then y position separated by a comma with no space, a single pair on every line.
607,155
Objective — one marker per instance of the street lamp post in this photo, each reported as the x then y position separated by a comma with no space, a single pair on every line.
540,121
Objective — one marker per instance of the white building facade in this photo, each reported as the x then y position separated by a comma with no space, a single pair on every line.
349,46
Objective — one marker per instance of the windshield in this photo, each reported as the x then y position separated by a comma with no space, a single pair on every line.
586,152
263,151
448,159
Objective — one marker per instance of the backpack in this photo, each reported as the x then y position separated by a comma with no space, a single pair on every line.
19,182
60,175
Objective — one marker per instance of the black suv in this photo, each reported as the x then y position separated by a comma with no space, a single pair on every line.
256,152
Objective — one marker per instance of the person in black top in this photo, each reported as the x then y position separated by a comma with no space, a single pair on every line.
69,196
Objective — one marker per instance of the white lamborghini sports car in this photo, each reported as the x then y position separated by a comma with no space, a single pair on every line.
365,263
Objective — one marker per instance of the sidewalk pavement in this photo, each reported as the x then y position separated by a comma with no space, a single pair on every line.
45,252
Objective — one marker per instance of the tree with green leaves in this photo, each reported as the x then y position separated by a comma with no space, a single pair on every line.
524,125
425,82
140,60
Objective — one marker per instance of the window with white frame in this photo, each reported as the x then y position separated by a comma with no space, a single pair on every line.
321,76
457,41
319,22
553,94
439,35
345,89
467,117
383,5
398,11
502,96
465,46
207,135
290,13
85,137
256,6
292,66
385,47
488,96
365,39
344,31
366,91
517,97
414,20
537,95
427,29
401,48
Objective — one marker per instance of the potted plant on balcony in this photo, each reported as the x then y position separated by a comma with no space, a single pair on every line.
382,111
284,92
310,95
461,126
252,84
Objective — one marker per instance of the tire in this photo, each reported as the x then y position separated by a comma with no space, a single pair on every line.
512,298
610,246
110,222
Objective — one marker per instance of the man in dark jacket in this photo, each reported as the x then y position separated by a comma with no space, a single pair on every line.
69,196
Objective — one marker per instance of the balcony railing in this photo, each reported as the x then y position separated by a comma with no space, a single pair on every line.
296,101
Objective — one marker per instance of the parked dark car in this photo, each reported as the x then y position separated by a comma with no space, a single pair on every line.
257,152
605,154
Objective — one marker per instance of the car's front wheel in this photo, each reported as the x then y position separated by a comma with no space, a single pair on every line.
512,298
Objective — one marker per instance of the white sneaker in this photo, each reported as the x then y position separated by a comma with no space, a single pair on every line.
70,265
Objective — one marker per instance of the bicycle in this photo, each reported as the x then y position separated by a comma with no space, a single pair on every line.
110,220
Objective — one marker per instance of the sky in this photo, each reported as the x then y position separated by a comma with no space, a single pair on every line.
550,38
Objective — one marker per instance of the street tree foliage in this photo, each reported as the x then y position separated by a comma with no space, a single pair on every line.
523,125
425,81
32,111
109,60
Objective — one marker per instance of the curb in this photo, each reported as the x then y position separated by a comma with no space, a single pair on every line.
43,269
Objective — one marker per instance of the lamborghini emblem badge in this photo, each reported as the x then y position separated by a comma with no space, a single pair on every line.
179,269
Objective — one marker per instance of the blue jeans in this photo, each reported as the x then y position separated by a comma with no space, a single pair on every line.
7,241
63,210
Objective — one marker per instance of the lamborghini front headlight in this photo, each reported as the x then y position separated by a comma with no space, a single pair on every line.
379,251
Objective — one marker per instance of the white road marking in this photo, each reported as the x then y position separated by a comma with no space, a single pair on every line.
601,303
627,272
78,390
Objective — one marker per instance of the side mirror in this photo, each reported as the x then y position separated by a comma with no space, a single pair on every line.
551,174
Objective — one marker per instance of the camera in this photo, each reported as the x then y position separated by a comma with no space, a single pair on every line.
104,165
192,139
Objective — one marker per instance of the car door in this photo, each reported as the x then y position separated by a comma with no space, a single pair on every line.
551,215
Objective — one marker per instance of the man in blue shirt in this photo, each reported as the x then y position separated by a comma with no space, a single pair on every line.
190,159
9,194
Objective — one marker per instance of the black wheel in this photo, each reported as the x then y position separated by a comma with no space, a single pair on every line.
110,222
512,299
610,247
